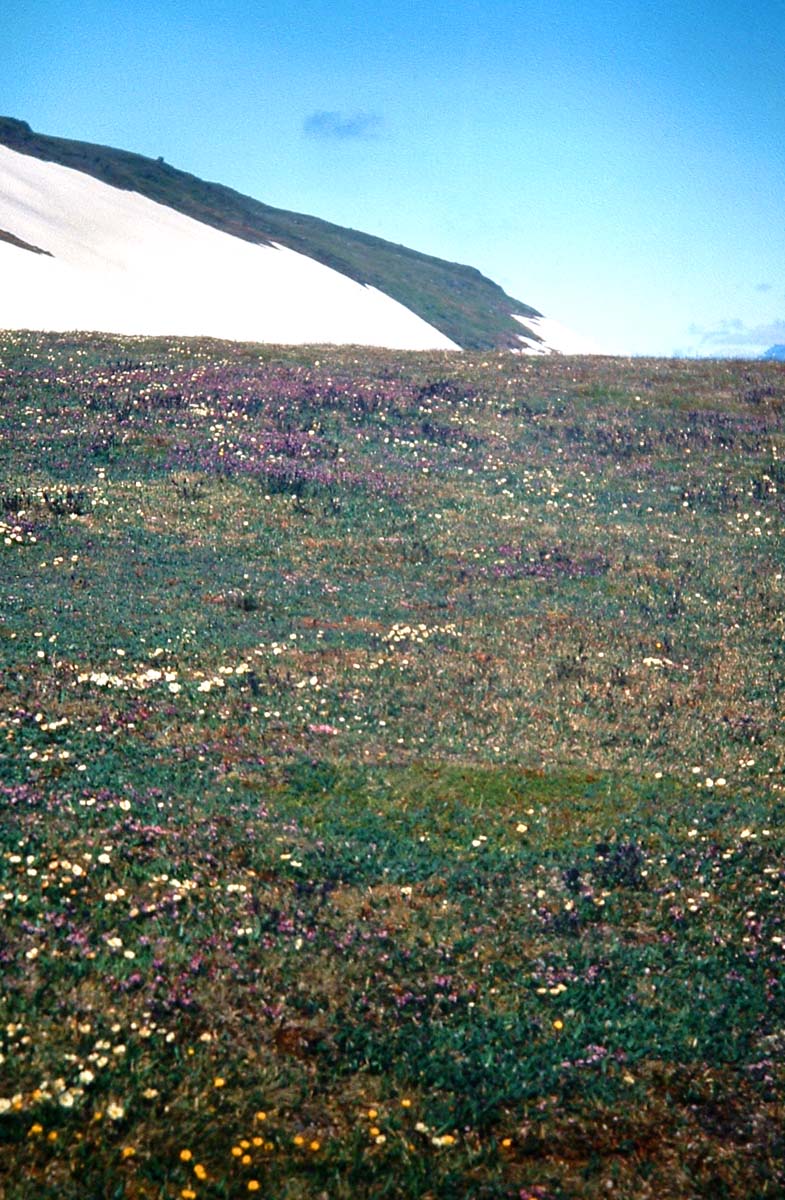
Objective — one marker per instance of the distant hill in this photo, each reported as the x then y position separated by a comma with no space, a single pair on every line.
775,352
103,253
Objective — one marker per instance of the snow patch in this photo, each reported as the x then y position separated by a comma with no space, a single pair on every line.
124,264
556,338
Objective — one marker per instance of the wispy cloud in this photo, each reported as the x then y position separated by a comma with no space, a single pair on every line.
358,126
733,336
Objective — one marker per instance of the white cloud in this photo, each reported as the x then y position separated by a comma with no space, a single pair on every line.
341,126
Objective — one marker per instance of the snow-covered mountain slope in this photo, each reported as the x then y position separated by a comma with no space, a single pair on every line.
95,238
117,262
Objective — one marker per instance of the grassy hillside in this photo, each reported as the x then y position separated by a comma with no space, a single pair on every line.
391,763
459,301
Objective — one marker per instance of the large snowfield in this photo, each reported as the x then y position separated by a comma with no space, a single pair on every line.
117,262
113,261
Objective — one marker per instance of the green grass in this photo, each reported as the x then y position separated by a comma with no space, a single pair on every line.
391,766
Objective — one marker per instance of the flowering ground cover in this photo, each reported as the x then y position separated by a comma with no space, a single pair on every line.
391,760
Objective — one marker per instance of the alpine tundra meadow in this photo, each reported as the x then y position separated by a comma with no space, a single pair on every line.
391,762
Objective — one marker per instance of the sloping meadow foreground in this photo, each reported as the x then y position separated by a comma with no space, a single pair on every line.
391,774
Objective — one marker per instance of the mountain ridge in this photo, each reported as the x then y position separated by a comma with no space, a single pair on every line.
457,300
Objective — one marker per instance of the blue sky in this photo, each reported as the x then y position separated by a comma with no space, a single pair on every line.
618,164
